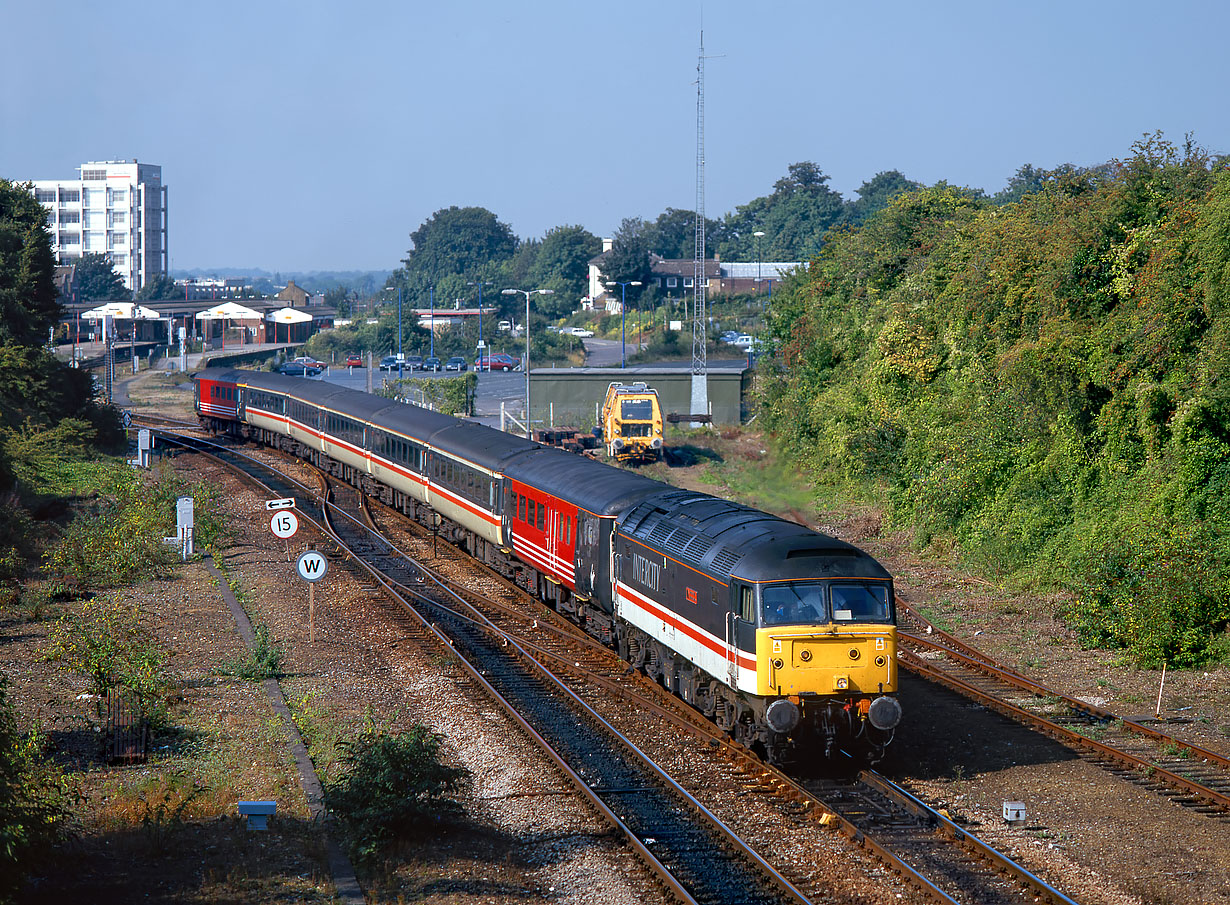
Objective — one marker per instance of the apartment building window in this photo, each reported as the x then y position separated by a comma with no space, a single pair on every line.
45,196
117,240
70,239
93,175
119,198
70,196
119,258
70,217
118,218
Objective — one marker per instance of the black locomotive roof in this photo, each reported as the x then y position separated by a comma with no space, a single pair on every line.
728,539
600,488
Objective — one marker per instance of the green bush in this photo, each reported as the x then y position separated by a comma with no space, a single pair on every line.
262,661
451,395
35,800
393,787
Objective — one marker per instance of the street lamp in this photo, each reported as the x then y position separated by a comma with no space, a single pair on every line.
431,324
623,315
399,358
758,234
480,284
527,293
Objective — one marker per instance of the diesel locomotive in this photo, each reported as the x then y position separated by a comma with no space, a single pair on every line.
785,637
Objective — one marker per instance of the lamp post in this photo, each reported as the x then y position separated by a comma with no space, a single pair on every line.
480,284
623,315
758,234
431,327
527,293
399,358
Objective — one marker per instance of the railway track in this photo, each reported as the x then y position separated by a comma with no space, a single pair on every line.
1187,774
943,862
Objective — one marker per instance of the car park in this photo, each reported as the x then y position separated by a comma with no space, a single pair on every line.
497,361
432,364
456,363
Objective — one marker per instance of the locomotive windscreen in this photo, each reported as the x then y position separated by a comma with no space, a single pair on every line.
636,410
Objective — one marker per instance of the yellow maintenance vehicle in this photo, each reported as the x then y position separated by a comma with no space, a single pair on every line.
632,422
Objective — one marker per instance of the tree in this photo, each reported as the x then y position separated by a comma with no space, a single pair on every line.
160,288
673,234
456,240
97,280
29,302
562,266
875,194
628,259
794,218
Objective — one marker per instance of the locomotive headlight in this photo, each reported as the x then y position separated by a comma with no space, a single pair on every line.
777,663
618,443
885,713
782,715
657,443
880,661
854,654
805,655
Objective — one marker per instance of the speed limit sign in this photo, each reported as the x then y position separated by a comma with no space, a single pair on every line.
284,524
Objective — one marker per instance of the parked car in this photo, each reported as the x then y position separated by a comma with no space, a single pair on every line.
431,364
744,341
577,331
298,369
499,361
456,363
354,360
309,361
414,363
390,363
507,325
729,336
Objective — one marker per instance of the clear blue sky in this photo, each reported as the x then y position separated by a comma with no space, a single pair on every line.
316,135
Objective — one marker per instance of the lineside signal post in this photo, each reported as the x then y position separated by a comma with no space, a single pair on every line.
312,567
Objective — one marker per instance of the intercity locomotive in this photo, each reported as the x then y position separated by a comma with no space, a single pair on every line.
785,637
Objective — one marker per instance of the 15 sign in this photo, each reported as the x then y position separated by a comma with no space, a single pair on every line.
284,524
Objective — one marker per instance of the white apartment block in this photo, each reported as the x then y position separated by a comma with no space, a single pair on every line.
117,208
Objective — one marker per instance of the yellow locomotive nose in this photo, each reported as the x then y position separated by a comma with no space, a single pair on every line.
801,660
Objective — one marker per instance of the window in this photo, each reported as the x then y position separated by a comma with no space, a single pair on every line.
95,198
541,516
687,282
70,238
658,282
795,603
118,218
672,282
45,196
529,511
119,198
116,240
521,507
93,175
70,196
119,258
747,605
860,603
70,217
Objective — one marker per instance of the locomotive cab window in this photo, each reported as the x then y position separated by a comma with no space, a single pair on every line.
861,603
794,603
747,604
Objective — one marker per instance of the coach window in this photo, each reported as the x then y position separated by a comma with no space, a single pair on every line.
541,516
521,507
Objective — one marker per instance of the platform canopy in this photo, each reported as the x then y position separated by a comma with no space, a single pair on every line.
289,316
228,311
124,311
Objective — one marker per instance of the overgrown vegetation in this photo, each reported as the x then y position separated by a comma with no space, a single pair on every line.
35,799
1042,385
452,395
392,786
262,661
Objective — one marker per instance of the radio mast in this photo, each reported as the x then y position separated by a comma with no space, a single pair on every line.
700,332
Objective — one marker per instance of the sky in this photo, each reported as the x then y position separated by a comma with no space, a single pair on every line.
318,135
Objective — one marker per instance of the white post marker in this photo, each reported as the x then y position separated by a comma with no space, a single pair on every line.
312,567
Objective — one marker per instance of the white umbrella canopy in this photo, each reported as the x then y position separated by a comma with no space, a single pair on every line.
288,316
122,310
228,311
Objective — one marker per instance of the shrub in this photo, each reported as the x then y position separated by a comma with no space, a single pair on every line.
393,786
107,644
34,799
262,661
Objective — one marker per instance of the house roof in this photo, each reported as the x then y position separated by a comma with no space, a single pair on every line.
682,267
